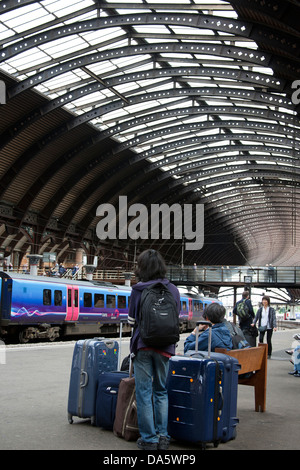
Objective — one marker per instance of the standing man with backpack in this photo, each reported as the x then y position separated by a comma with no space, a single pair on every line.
154,314
244,310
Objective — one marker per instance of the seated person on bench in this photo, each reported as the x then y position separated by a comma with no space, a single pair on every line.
220,335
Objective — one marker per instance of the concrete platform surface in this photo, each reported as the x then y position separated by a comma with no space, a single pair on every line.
34,382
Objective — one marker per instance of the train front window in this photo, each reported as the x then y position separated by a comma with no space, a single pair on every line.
47,297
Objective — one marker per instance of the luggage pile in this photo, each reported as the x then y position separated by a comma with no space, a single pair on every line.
202,389
99,390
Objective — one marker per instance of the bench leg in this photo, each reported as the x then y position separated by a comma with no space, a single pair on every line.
260,382
259,392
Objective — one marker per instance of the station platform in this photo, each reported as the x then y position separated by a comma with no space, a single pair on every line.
34,391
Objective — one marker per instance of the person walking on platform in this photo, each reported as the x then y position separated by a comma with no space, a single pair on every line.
151,365
266,319
244,310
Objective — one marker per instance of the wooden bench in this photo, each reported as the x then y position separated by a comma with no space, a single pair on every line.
252,360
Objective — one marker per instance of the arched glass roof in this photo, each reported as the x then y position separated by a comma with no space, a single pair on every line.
193,89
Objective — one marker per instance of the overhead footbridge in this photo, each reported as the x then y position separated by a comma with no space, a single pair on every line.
236,276
192,102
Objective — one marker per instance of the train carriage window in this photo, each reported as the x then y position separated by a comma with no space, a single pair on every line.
99,300
183,305
47,297
110,301
87,299
58,297
121,301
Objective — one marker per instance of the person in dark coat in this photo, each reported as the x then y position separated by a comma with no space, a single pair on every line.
150,365
245,324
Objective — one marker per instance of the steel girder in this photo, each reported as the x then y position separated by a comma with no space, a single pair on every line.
199,21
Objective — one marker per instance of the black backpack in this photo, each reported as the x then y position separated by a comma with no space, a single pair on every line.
159,318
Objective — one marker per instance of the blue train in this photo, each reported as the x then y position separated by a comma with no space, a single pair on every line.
36,307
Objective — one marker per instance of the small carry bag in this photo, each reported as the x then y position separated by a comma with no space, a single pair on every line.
126,423
90,358
106,400
238,338
202,390
107,394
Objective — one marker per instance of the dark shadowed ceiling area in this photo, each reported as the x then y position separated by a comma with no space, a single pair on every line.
190,102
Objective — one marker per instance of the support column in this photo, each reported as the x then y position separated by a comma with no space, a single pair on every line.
33,263
79,256
128,276
234,302
89,269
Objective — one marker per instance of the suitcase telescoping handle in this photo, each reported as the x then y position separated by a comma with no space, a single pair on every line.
209,324
120,345
130,358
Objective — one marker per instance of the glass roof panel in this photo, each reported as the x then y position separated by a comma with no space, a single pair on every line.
67,48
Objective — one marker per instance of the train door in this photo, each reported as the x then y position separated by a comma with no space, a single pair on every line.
5,302
72,303
190,309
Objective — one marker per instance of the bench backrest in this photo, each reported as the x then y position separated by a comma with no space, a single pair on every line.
250,359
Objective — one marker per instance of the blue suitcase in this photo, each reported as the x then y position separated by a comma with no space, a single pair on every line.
202,389
90,358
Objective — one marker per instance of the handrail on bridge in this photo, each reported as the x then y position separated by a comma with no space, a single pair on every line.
216,274
226,275
236,274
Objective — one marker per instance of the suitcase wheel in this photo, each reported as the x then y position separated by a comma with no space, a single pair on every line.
70,418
